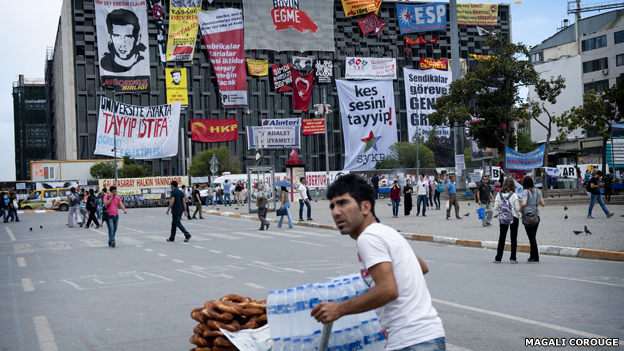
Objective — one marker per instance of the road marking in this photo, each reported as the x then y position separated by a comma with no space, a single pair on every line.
582,280
97,231
198,267
307,243
223,236
520,319
253,235
215,251
21,262
149,250
162,255
22,248
240,258
199,238
293,270
265,266
255,286
177,261
10,234
93,242
158,276
308,233
27,285
134,230
284,234
129,241
44,334
225,276
154,237
196,274
199,247
59,245
138,245
98,281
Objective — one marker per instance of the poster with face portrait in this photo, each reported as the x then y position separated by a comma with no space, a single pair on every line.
123,45
176,86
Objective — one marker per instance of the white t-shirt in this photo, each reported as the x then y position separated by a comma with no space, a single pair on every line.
410,319
422,187
302,188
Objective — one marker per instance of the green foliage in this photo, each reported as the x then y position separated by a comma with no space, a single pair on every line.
443,149
133,171
403,155
130,169
200,164
525,144
102,170
468,159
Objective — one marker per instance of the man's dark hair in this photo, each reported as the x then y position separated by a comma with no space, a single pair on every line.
197,186
113,188
122,17
357,187
183,186
301,179
73,190
599,173
175,184
176,71
91,192
527,182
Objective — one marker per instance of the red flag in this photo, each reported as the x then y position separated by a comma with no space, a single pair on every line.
214,130
285,18
420,40
302,90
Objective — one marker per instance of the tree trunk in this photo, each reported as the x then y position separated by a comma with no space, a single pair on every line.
544,177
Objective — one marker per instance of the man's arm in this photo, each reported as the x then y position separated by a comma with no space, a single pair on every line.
107,202
384,292
423,265
123,207
171,204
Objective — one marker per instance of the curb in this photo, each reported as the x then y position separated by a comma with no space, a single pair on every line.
36,211
543,249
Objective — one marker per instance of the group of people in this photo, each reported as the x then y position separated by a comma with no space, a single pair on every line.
11,207
284,210
224,194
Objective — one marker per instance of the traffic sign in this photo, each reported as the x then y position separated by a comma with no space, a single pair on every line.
214,168
213,160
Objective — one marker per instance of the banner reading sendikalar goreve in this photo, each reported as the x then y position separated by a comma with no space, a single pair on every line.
182,29
368,122
122,42
143,132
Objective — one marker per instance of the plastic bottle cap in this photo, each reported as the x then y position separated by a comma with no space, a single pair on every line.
307,340
290,290
272,292
286,339
297,340
281,291
276,339
331,286
354,278
365,322
338,331
300,288
374,319
309,285
356,327
317,332
347,329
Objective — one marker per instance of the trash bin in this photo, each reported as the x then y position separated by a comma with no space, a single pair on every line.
568,184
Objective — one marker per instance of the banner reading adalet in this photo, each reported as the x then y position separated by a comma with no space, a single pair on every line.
368,122
282,137
182,29
524,162
422,89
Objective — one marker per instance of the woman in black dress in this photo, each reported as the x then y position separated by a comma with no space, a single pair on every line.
407,195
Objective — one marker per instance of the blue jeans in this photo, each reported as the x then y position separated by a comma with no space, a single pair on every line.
307,203
175,224
395,207
227,200
208,200
219,199
436,198
13,215
4,215
99,211
422,198
438,344
600,202
111,223
290,223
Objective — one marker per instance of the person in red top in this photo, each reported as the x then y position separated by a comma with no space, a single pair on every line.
112,202
395,196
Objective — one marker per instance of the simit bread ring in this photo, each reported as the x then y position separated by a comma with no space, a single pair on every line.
216,315
195,310
262,318
234,298
200,341
228,307
203,327
201,348
251,324
221,341
255,304
196,330
224,348
251,311
212,334
209,305
234,326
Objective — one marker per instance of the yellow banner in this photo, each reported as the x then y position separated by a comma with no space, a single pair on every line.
176,85
143,183
152,196
359,7
477,14
481,57
129,192
183,27
258,67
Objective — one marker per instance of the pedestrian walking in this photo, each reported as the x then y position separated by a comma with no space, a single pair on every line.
430,197
83,205
210,194
395,197
263,209
594,187
13,206
285,205
100,199
375,181
113,202
608,186
238,193
531,199
389,266
439,189
407,197
451,198
92,207
304,199
3,207
422,191
508,206
227,193
187,200
485,197
177,206
579,179
74,207
198,204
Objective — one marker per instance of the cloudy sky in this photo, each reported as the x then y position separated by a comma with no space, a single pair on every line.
28,37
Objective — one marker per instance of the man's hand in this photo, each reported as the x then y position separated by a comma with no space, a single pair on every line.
327,312
185,214
167,212
125,212
479,202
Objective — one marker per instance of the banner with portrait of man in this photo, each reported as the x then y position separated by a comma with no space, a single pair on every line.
176,86
123,43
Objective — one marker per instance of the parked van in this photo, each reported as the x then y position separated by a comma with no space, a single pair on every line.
53,199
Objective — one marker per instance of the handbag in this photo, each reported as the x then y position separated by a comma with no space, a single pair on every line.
104,211
448,204
281,212
530,219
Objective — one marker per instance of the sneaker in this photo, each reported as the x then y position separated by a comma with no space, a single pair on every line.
495,261
187,238
530,260
448,218
590,217
513,261
113,244
458,217
300,219
169,240
489,224
310,219
424,215
485,225
610,215
267,227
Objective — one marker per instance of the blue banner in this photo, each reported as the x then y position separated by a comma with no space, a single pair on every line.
422,18
524,162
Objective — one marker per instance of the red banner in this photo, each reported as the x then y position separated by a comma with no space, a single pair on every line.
214,130
420,40
371,23
313,126
302,90
437,64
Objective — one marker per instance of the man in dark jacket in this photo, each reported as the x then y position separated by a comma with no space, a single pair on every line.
608,186
485,198
375,181
92,206
3,206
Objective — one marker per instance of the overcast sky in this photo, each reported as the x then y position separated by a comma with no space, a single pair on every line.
28,37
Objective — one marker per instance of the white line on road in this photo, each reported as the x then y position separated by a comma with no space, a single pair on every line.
215,251
265,266
162,255
10,234
93,242
255,286
158,276
21,262
98,281
44,334
149,250
187,272
177,261
307,243
293,270
199,247
22,248
97,231
27,285
240,258
198,268
582,280
225,276
138,245
134,230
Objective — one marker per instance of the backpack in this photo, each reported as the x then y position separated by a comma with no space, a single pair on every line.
505,213
73,199
588,186
440,188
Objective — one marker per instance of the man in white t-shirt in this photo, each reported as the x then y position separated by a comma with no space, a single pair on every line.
423,194
389,266
303,199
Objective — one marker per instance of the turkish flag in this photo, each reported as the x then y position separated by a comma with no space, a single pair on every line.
302,90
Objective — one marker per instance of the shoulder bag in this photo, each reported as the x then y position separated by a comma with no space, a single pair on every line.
281,212
104,211
530,219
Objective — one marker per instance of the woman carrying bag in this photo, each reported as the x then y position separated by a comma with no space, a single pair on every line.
284,208
439,189
508,206
407,197
531,198
395,196
13,206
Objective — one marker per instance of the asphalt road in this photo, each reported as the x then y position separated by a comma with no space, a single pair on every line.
65,289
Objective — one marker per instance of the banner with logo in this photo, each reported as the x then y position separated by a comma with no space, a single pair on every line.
437,64
123,43
313,126
282,77
258,68
283,137
324,71
176,86
422,18
142,183
422,88
481,57
214,130
157,12
302,90
368,122
524,162
182,29
143,132
281,122
420,40
370,68
477,14
371,23
223,36
290,25
360,7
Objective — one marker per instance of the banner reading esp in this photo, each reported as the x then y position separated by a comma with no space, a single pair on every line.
422,89
122,45
182,29
421,18
359,7
143,132
223,36
176,86
477,14
214,130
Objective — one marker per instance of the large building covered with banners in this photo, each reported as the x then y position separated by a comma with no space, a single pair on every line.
116,55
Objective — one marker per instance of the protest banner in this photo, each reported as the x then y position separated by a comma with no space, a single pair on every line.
368,120
360,7
143,132
421,18
214,130
422,89
122,43
420,40
182,29
313,126
371,23
283,137
477,14
222,31
302,90
258,67
480,57
282,77
143,183
436,64
324,71
157,12
370,68
281,122
524,162
176,86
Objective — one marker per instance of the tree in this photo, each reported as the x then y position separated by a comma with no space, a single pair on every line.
131,169
442,148
200,164
525,143
403,155
468,159
102,170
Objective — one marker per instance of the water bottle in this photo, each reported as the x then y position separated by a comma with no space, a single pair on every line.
358,337
296,345
282,315
316,339
369,336
271,307
291,313
336,342
359,285
380,338
287,344
307,345
301,305
320,291
349,340
277,344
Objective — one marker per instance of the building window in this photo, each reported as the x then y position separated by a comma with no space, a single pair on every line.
595,65
536,57
598,86
619,37
594,43
619,60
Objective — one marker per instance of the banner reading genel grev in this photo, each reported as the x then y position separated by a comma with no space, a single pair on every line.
182,29
370,68
368,122
214,130
422,18
524,162
123,45
477,14
143,132
143,183
422,89
223,36
283,137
